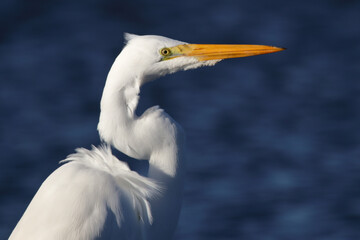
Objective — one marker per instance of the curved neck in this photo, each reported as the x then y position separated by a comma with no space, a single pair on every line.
149,136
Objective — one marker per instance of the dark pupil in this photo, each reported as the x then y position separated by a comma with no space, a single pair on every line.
165,52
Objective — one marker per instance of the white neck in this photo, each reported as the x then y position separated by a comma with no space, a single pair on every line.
153,136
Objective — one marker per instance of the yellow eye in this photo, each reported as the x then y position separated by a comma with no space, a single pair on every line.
165,52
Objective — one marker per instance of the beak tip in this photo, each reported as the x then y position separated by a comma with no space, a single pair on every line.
278,49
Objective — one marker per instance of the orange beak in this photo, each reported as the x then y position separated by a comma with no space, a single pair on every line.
204,52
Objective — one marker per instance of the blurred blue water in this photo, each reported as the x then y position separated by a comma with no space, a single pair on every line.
273,140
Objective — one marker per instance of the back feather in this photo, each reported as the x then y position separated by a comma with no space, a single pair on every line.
140,189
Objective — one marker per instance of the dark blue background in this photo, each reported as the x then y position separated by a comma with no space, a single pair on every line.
273,140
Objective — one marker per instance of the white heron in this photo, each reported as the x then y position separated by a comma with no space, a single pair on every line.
96,196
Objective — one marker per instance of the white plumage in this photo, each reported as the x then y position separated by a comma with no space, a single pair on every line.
96,196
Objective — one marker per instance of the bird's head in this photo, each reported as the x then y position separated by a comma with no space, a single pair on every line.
155,56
